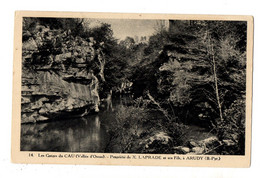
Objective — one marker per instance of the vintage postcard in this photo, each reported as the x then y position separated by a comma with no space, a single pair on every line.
132,89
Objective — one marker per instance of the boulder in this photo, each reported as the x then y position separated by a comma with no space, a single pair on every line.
228,142
197,150
181,150
192,144
160,137
210,142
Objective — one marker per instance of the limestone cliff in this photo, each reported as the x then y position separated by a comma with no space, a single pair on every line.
54,75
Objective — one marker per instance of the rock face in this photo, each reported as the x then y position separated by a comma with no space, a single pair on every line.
206,146
55,81
52,95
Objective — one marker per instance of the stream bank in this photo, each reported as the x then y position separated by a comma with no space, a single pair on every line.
100,133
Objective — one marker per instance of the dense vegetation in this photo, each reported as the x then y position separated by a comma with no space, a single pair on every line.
198,76
195,75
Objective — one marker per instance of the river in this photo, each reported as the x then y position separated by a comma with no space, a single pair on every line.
70,135
82,134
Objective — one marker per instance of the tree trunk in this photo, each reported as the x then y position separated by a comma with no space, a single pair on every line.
216,85
211,52
102,62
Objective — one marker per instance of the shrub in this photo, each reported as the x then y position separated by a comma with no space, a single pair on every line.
126,128
139,129
232,129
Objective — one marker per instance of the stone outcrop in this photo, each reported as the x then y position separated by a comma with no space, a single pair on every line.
54,75
50,96
153,142
192,147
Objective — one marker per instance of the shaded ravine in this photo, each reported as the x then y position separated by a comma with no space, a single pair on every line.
81,134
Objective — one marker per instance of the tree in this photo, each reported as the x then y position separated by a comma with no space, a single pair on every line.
200,70
128,42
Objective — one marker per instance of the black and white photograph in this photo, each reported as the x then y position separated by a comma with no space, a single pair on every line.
132,89
133,86
141,89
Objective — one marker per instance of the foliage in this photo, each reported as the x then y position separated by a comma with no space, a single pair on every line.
126,128
233,128
183,70
197,75
193,75
139,128
62,43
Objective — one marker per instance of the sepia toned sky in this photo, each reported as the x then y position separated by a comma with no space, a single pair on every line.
128,27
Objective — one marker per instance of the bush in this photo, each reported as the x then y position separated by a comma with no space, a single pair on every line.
232,130
139,129
126,128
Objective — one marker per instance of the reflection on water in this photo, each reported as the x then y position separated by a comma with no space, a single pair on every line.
84,134
75,135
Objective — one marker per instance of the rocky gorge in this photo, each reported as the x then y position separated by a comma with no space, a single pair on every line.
55,67
162,96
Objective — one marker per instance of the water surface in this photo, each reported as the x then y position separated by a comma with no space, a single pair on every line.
82,134
73,135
